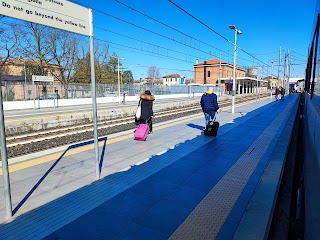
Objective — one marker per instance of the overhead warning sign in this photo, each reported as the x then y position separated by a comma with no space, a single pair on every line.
60,14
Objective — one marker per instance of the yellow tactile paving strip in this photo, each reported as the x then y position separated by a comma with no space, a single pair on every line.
206,220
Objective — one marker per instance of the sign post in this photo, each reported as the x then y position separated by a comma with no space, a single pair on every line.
4,159
60,14
36,78
94,99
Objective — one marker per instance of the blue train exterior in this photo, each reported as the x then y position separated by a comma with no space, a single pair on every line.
311,134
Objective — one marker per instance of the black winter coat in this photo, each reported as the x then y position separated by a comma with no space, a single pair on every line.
146,106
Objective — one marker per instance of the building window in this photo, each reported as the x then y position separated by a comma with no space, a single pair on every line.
208,73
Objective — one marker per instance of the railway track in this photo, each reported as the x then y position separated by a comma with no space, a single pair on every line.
23,144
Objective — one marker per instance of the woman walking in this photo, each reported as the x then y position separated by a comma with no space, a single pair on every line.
146,102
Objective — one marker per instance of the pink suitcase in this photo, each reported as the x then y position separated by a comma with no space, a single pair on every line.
142,132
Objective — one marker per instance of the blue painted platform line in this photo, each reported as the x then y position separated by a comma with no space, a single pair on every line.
202,195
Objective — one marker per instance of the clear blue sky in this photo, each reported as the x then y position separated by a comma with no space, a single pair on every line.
142,41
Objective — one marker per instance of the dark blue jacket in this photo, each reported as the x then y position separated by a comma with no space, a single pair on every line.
209,102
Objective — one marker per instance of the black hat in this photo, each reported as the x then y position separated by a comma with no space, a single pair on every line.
147,92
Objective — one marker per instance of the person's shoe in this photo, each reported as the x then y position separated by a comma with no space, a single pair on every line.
150,132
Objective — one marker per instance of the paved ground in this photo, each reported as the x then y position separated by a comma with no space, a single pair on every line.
179,184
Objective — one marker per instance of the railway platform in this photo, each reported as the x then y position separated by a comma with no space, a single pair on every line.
179,184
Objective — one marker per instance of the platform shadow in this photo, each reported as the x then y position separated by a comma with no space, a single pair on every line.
19,205
195,126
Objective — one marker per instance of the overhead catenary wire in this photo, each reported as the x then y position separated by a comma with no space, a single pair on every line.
209,53
215,31
119,19
158,34
172,28
266,53
137,49
145,52
305,56
144,66
149,43
298,58
172,39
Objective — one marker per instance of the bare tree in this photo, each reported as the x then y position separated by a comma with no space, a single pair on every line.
153,73
101,62
10,36
63,52
36,45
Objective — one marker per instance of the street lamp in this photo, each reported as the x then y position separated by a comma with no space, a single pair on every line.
236,32
119,99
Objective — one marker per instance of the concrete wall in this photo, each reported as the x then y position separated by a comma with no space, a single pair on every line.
14,105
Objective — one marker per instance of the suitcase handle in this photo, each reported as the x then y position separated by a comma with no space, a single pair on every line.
215,117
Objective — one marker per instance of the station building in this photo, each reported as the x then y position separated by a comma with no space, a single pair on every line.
213,70
173,79
16,79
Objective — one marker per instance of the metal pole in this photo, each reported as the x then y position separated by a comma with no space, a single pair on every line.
119,100
288,85
219,80
4,159
33,94
284,70
38,96
272,72
234,71
121,80
271,81
94,99
55,97
25,80
279,66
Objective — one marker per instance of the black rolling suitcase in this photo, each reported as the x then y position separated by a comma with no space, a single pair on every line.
212,128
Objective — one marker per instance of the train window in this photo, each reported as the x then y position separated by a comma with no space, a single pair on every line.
308,70
315,57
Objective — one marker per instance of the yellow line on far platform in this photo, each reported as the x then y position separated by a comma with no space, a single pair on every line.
56,156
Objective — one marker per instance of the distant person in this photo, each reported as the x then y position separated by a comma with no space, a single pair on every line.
282,92
277,93
146,101
209,104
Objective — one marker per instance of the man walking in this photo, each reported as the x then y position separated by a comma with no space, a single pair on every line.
209,104
282,92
